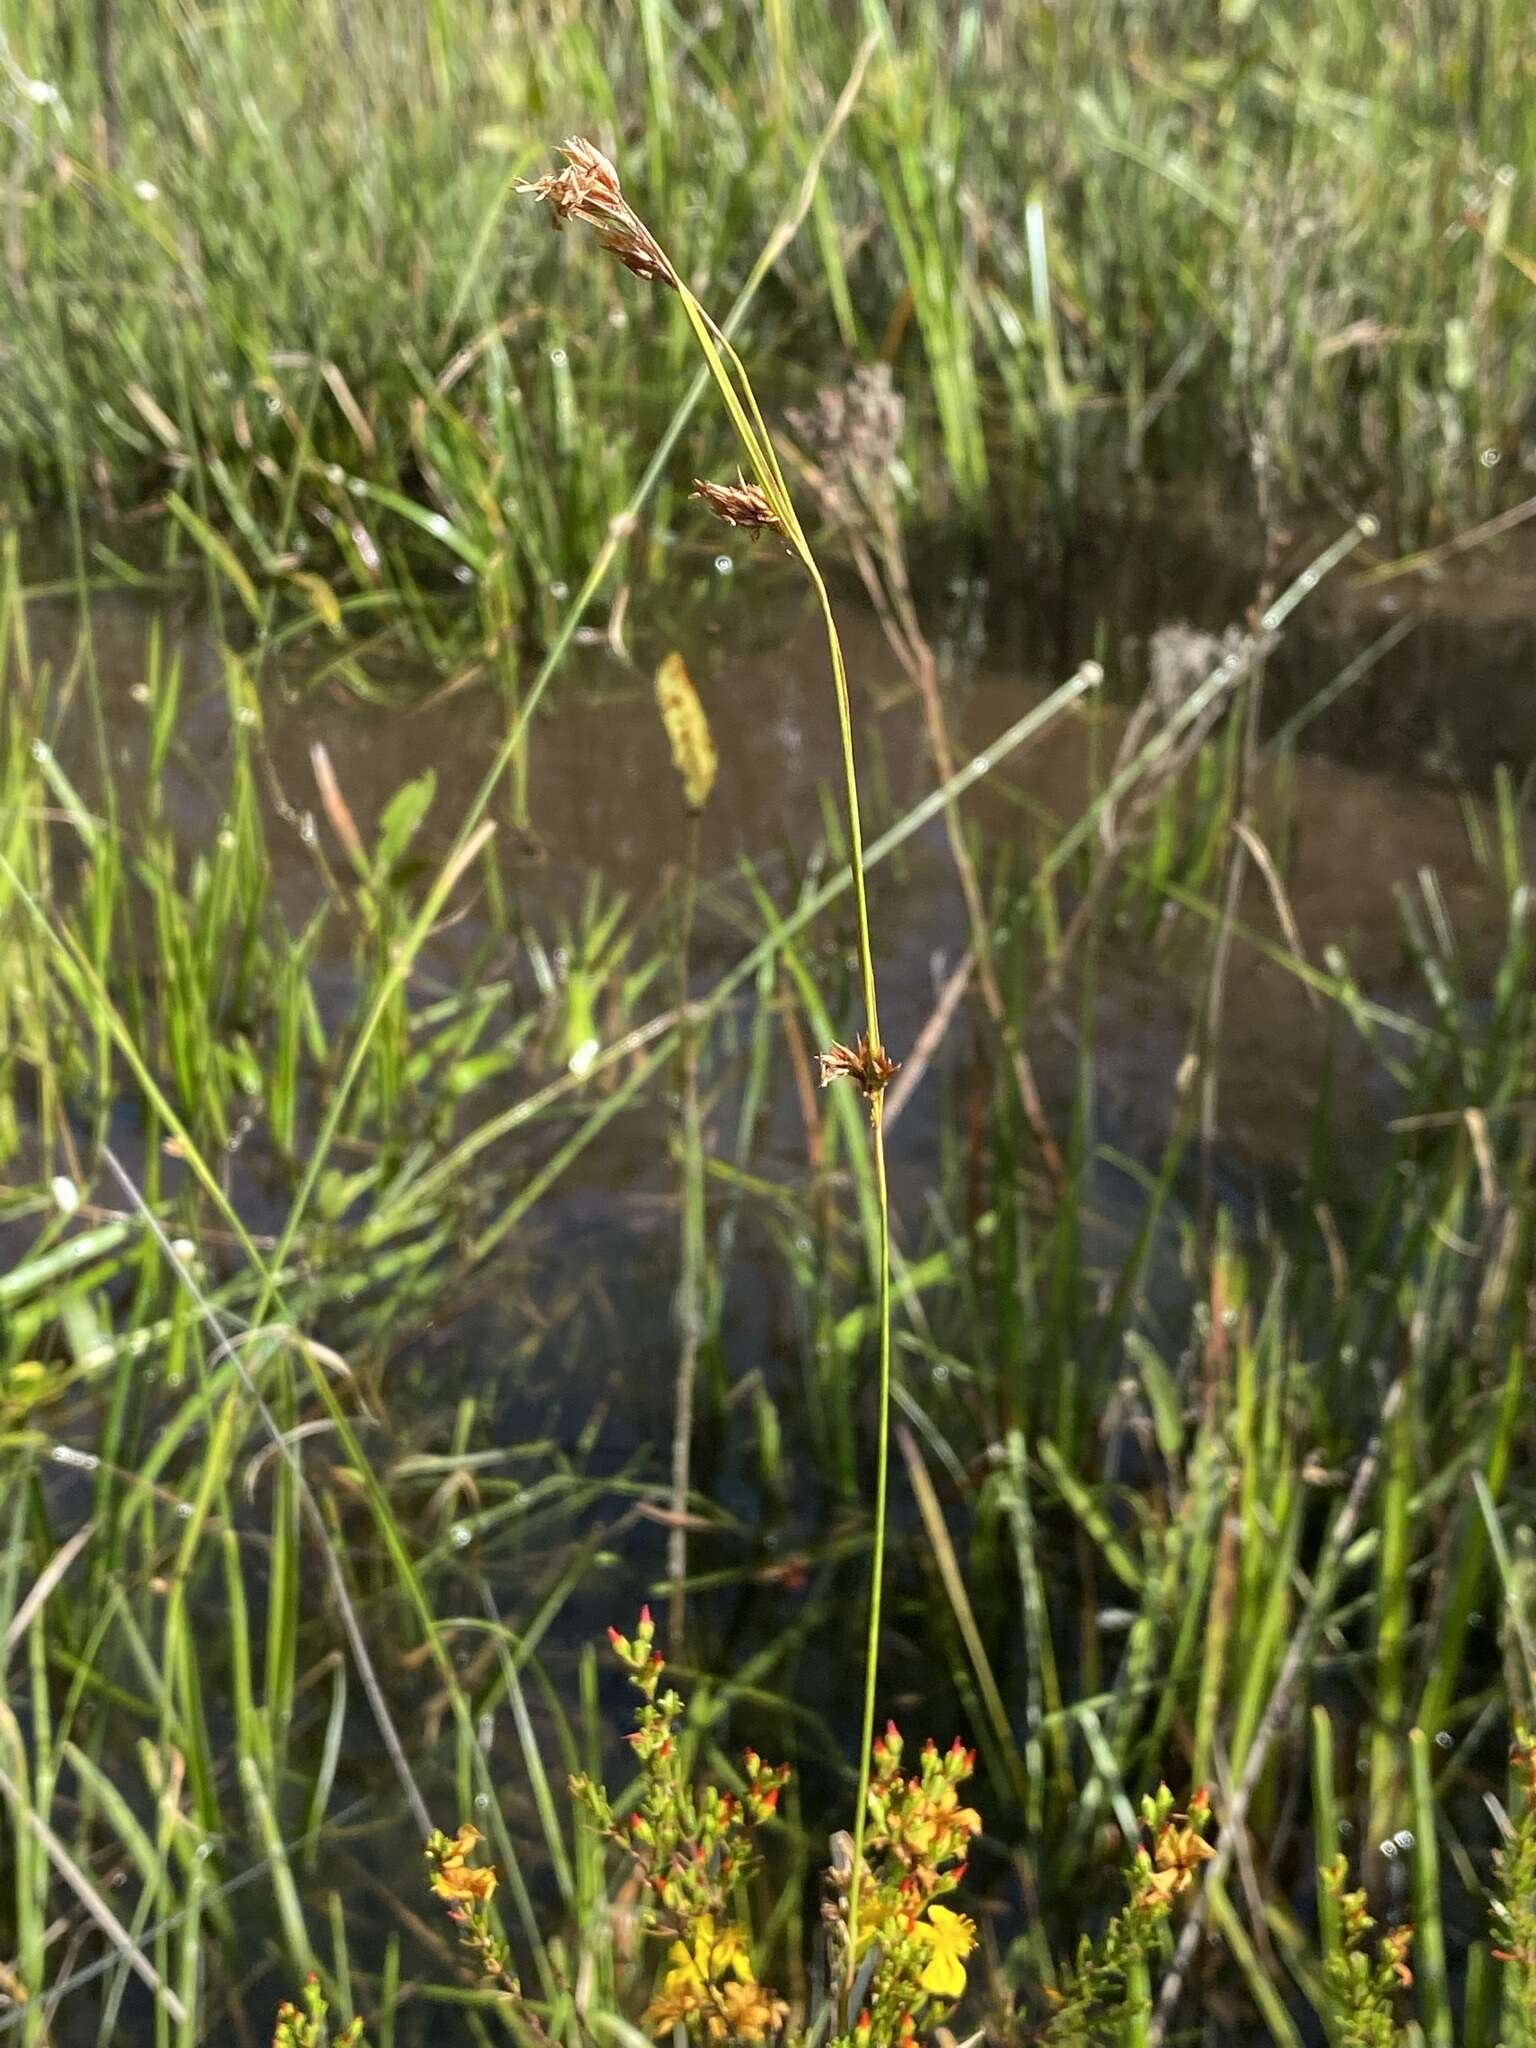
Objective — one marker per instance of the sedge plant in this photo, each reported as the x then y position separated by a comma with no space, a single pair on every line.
588,191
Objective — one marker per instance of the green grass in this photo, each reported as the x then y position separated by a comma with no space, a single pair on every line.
1213,1518
266,275
1188,1485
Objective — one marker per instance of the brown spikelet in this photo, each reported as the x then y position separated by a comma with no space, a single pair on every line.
739,504
588,190
870,1066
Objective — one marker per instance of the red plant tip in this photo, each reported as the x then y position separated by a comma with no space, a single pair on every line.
616,1639
892,1732
930,1747
645,1618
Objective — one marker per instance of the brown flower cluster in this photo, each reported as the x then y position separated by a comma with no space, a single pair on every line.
739,504
853,437
869,1066
588,190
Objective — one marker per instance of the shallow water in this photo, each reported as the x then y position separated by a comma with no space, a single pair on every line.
575,1318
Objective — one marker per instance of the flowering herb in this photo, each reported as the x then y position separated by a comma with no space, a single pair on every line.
469,1888
1362,1989
304,2026
691,1848
1106,1992
909,1952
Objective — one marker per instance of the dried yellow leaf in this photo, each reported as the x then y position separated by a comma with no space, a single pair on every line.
693,748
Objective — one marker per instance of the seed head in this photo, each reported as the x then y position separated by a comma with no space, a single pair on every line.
739,504
588,190
868,1065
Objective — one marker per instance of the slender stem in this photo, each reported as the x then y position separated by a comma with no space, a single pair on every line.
855,823
736,390
877,1563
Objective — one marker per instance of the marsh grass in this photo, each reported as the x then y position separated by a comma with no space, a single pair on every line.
1214,1511
265,274
1247,1493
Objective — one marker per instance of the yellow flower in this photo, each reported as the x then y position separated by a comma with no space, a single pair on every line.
458,1879
693,1987
947,1805
950,1938
677,2000
1159,1889
751,2013
711,1956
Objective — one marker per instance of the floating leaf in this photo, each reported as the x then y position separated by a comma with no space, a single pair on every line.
693,748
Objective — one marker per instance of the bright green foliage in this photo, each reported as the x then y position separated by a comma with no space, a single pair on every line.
694,1847
1514,1905
1106,1996
1363,1988
308,2028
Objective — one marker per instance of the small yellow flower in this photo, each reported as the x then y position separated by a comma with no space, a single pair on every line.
948,1806
458,1879
740,2011
712,1955
1181,1849
676,2001
1160,1888
750,2012
696,1970
950,1938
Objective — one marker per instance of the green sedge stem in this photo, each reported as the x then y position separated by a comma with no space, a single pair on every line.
757,444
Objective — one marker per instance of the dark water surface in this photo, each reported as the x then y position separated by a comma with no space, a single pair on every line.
571,1338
